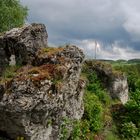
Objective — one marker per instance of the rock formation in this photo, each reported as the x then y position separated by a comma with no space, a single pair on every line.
21,44
46,90
114,81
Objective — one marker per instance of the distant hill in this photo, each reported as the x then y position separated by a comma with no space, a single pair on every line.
122,61
134,61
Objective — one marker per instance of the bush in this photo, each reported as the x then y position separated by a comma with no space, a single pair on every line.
129,130
133,108
93,112
76,133
137,84
81,131
64,128
95,87
91,122
128,117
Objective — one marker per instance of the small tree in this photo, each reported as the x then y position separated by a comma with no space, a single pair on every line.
12,14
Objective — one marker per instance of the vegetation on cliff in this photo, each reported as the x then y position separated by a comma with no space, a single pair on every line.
105,118
97,116
127,117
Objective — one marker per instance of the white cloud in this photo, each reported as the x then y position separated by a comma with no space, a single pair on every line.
111,51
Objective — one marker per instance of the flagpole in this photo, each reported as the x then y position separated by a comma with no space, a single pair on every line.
95,49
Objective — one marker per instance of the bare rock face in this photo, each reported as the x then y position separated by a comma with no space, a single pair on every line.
19,45
119,89
114,81
35,102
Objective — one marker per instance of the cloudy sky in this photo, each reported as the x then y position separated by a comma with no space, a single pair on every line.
114,24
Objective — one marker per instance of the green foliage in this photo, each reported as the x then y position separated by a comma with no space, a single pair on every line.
64,128
96,102
128,118
76,133
81,131
133,110
92,120
129,130
12,14
95,87
49,122
111,136
98,117
137,84
10,72
20,138
93,112
133,105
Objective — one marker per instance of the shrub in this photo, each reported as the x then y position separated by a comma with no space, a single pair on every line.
95,87
76,133
64,130
93,112
129,130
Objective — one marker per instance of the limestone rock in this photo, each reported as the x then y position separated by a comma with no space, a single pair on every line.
114,81
119,89
39,97
22,44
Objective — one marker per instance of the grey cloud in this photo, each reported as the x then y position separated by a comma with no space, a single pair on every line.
112,51
73,21
131,11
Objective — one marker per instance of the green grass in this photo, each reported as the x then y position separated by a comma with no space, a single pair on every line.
10,71
111,136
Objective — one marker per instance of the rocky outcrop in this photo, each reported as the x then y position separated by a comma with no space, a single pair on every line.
114,81
34,103
19,45
119,88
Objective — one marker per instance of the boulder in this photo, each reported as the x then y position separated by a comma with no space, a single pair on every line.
19,45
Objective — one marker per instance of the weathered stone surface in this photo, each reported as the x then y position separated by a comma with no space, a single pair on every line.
22,44
114,81
119,89
39,97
